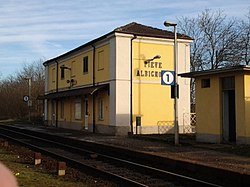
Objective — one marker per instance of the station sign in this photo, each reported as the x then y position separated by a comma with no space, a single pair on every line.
167,77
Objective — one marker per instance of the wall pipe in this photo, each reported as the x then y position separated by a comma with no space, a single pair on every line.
94,94
131,84
57,92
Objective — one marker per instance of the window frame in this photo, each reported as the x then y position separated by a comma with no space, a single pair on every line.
85,64
62,73
100,109
62,109
205,83
53,75
78,109
100,60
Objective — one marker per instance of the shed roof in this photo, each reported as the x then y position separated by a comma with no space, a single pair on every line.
195,74
131,28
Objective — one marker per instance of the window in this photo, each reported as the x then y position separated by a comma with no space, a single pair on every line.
62,72
101,60
100,109
62,109
53,78
73,69
78,109
85,64
205,83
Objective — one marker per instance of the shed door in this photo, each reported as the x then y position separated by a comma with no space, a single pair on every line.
229,126
228,107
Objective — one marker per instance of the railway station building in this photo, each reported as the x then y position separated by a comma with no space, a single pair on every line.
222,104
112,84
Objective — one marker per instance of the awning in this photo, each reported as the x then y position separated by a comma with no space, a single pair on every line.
75,92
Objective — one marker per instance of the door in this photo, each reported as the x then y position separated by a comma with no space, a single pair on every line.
53,113
228,110
86,113
232,120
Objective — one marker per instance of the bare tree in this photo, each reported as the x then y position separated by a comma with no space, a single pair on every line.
244,41
190,27
220,35
14,87
218,41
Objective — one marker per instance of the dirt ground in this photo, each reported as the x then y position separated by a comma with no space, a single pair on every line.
225,156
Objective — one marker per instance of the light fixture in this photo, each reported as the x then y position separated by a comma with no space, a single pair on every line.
169,24
155,57
64,67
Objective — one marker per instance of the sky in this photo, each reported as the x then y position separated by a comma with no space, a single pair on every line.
31,30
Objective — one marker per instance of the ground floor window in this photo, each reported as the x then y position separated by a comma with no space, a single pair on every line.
100,109
78,109
62,109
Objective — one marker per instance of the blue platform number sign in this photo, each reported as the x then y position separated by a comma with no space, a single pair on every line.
167,77
26,98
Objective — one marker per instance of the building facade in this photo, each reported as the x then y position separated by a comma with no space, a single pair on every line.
113,85
222,105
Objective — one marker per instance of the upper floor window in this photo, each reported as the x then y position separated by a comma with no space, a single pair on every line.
73,68
85,64
62,72
101,60
53,75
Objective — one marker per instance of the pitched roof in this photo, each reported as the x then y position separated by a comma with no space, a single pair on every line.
143,30
131,28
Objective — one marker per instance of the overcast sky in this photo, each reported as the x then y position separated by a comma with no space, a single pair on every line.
42,29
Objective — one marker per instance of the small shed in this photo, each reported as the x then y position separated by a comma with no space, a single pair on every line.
222,104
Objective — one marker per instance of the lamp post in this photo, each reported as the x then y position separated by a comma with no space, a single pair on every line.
176,125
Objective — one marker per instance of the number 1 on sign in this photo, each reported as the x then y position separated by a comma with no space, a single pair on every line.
168,78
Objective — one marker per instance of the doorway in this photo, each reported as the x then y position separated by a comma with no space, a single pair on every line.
53,113
228,110
86,113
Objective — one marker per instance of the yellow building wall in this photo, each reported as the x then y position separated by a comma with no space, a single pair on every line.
151,100
102,63
208,107
240,105
75,63
76,72
102,95
247,104
52,77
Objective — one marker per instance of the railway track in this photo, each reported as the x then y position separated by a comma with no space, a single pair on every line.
94,159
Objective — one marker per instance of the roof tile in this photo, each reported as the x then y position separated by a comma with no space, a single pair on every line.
139,29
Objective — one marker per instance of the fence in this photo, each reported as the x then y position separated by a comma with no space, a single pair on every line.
165,127
188,126
189,122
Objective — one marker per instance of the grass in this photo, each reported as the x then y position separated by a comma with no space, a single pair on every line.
31,176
